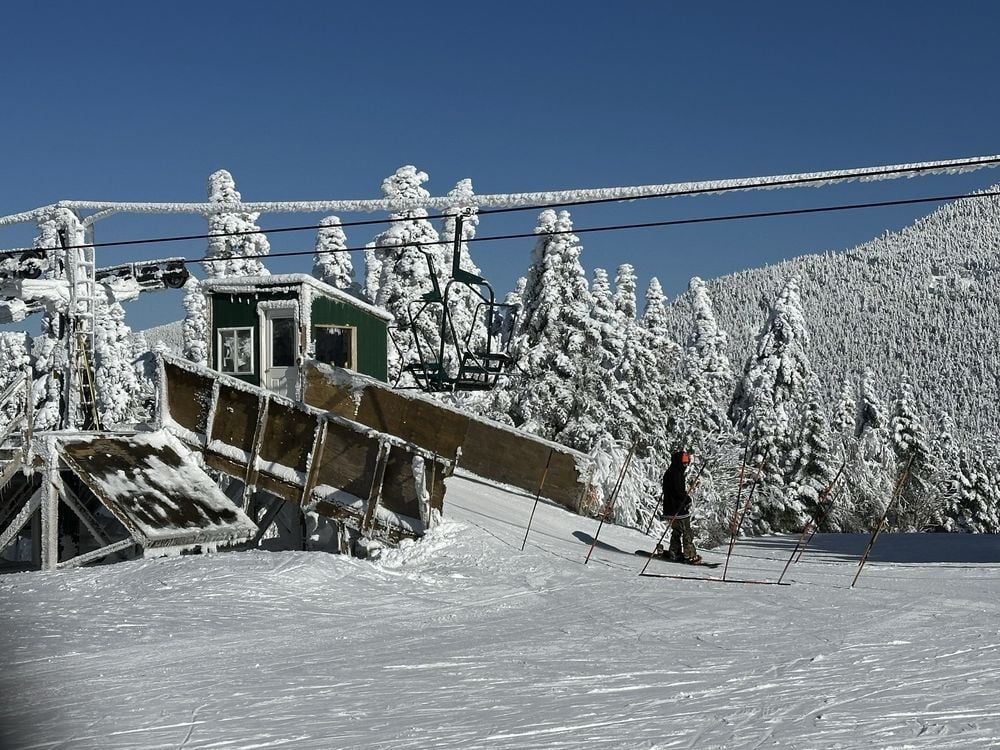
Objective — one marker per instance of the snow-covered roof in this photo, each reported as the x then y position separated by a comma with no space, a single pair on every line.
249,284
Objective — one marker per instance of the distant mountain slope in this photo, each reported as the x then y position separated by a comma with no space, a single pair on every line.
923,301
170,335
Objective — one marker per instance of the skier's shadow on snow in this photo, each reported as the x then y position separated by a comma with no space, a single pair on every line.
889,548
586,538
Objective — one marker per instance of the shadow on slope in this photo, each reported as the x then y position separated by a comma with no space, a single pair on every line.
890,548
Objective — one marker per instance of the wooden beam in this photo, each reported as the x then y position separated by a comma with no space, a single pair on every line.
375,495
267,521
315,461
50,517
22,518
250,477
97,554
93,526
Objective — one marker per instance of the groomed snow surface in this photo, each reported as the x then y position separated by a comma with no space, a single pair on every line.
464,641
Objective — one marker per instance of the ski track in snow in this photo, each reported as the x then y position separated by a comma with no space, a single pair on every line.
464,641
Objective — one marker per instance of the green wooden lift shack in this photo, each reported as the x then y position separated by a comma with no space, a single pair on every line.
262,329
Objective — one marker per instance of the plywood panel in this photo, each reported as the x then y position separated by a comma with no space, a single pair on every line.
382,409
324,393
510,458
438,430
348,461
235,417
288,436
188,397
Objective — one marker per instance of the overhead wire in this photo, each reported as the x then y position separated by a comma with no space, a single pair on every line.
612,228
866,174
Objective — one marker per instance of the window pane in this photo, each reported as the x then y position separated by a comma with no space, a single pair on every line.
244,352
282,342
236,355
333,346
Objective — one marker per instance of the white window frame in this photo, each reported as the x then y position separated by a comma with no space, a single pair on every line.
353,362
220,356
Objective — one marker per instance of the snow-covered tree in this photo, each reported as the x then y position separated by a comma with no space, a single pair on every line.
115,380
770,403
401,253
708,374
910,444
13,366
975,502
599,409
332,263
549,345
238,245
195,326
811,470
637,374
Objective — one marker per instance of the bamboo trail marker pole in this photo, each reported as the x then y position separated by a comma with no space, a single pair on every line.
611,502
809,531
896,492
739,494
738,523
538,494
662,537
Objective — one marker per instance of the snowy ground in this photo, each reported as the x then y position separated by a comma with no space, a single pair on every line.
464,641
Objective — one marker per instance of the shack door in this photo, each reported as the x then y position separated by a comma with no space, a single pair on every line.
280,351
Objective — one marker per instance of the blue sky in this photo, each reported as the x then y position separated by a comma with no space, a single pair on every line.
136,101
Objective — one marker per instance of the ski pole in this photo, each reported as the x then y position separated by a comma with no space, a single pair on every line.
611,502
538,494
897,491
813,523
742,515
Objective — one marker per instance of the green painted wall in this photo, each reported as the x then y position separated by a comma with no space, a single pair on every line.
372,335
240,311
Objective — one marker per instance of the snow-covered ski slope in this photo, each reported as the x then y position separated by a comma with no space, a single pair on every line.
464,641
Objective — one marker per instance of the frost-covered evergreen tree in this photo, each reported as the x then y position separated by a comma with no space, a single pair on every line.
13,366
975,502
48,351
770,403
549,345
666,434
708,374
195,326
599,409
945,457
637,375
401,253
910,444
811,469
238,246
845,413
115,381
332,263
874,472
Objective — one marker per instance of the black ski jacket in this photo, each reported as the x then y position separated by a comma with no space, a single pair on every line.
676,500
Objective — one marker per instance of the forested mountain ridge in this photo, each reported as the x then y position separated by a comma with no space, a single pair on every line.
923,302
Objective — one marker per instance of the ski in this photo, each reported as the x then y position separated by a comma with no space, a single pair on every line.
702,564
713,579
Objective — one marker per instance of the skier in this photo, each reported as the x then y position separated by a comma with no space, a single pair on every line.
677,510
